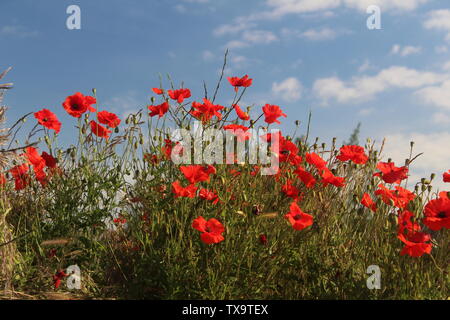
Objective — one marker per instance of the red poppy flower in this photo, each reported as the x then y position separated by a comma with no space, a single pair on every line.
78,104
255,171
158,90
315,160
241,114
329,178
58,277
272,113
263,239
298,219
206,111
211,230
437,214
108,118
446,176
20,175
390,173
48,119
287,151
197,173
400,197
50,162
290,190
234,172
239,131
99,130
179,94
180,191
416,244
353,153
368,202
35,159
209,195
240,82
405,223
306,177
170,148
159,110
2,179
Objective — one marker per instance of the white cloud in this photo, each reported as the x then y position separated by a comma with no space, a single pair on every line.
365,66
317,35
279,8
441,118
439,20
17,31
362,88
234,28
438,96
435,158
208,55
252,37
406,50
441,49
289,90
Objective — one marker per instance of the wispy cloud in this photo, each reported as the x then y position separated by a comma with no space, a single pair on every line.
17,31
252,37
439,20
290,89
406,50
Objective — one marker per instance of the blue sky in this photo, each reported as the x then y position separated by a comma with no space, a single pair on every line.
302,55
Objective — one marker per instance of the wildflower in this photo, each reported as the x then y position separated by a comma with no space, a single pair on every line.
306,177
2,179
437,214
159,110
255,171
368,202
180,191
287,150
272,113
263,239
315,160
400,197
290,190
416,243
197,173
108,118
58,277
446,176
353,153
78,104
158,90
241,114
239,131
209,195
329,178
206,111
179,94
298,218
50,161
237,82
20,175
99,130
48,119
390,173
211,230
405,223
33,157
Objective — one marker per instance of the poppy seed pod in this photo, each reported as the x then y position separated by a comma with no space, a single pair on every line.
432,176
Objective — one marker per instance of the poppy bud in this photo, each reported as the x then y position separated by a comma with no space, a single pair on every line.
369,141
355,198
315,146
116,130
141,139
422,181
297,123
334,140
433,175
389,160
135,145
225,110
323,145
83,130
94,91
416,188
423,187
411,144
47,140
72,154
430,187
152,99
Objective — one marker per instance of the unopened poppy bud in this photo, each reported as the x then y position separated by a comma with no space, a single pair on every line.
47,140
315,146
116,130
334,140
369,141
432,176
24,120
141,140
297,122
323,145
72,154
94,91
422,181
430,187
152,100
135,145
127,120
416,188
391,202
83,129
355,198
406,162
423,187
411,144
225,109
